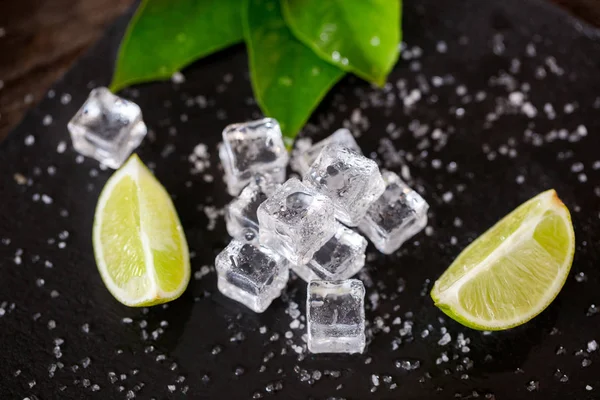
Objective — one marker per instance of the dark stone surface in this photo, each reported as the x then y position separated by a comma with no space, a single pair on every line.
492,158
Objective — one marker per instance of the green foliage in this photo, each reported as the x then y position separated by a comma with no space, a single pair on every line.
358,36
288,79
166,35
297,49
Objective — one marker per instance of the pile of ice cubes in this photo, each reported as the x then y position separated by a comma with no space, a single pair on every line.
306,226
278,224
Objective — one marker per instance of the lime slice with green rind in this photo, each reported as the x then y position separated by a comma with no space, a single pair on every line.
139,244
513,271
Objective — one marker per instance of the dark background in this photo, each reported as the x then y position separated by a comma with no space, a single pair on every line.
63,336
40,39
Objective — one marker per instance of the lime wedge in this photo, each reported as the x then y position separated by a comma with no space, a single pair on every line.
513,271
140,247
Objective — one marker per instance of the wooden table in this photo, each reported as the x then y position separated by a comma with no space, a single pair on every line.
40,39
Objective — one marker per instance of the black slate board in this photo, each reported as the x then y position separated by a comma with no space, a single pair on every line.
56,313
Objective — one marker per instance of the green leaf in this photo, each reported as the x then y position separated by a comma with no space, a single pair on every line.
360,36
288,79
166,35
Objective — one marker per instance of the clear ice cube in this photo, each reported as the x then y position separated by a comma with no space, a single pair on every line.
296,221
399,214
251,148
340,258
240,214
352,181
335,316
306,158
107,128
251,274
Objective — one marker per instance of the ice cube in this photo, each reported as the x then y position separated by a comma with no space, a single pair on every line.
296,221
305,159
107,127
240,214
251,274
251,148
396,216
352,181
335,316
340,258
